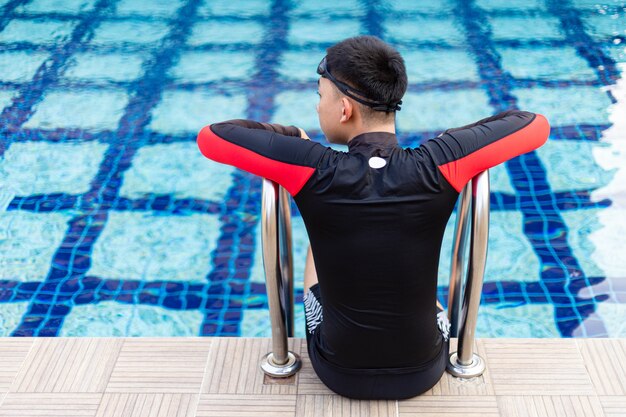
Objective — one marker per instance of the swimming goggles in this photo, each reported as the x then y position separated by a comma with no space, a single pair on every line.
322,69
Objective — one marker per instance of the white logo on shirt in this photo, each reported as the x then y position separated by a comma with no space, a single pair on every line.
377,162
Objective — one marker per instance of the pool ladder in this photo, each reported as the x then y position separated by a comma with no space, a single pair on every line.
463,300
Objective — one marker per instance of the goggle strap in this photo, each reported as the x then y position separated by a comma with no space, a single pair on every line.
322,69
373,104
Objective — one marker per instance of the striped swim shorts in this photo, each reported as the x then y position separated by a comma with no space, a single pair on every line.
312,309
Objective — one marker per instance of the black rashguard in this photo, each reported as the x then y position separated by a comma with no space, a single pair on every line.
375,218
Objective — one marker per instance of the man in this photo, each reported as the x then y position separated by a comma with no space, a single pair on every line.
375,216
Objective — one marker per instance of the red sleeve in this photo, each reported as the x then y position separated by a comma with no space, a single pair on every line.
263,149
463,152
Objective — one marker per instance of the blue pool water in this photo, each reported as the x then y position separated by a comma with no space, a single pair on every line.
113,224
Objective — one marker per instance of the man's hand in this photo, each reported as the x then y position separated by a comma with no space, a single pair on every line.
303,134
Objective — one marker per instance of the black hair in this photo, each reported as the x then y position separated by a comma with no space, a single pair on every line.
372,66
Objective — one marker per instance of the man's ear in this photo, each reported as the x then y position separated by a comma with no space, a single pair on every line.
346,110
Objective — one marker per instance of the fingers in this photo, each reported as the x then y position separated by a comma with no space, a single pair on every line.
303,134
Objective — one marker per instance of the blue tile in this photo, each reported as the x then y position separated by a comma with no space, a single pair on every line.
240,8
42,168
582,225
516,320
91,109
105,67
147,246
209,66
10,314
604,239
570,165
37,31
113,319
217,32
322,29
118,32
57,6
297,108
435,7
300,65
6,97
518,28
152,8
602,26
500,180
511,5
323,8
546,63
589,5
28,242
618,53
431,110
29,63
186,112
179,170
426,29
424,65
567,105
510,257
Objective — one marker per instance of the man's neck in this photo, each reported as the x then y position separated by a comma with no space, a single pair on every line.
390,128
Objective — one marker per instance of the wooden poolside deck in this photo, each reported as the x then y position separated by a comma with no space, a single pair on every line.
220,376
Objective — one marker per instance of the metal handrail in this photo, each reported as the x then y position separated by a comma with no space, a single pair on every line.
277,263
464,363
278,266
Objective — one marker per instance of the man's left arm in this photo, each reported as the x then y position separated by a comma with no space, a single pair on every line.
462,152
269,150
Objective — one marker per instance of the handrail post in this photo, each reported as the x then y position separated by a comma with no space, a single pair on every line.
276,247
465,363
459,247
286,257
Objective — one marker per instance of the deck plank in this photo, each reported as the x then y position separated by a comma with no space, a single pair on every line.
13,351
550,406
234,368
606,364
338,406
148,405
537,367
168,365
65,404
67,364
449,405
207,376
613,406
246,405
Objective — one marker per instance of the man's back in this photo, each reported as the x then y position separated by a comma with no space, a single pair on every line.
375,233
375,217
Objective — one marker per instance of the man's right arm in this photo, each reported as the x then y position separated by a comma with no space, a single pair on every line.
463,152
269,150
